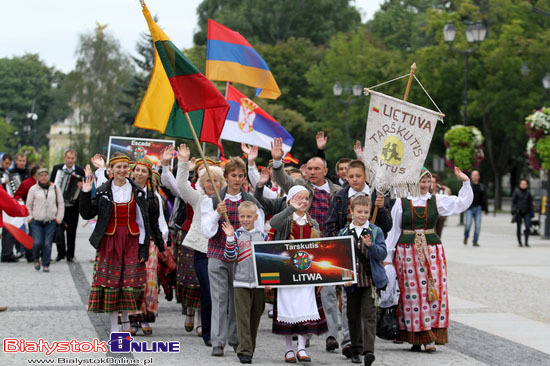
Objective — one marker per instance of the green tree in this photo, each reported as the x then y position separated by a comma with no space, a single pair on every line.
272,21
349,58
398,24
27,85
499,95
101,75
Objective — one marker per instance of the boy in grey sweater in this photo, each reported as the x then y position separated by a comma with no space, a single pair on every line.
249,300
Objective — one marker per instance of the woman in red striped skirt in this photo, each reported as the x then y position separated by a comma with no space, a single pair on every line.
121,237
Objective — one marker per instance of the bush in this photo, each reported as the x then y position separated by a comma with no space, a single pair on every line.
464,147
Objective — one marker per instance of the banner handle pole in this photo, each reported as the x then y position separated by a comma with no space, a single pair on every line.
411,76
201,152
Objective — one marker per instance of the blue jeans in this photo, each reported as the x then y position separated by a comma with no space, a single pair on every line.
473,214
42,234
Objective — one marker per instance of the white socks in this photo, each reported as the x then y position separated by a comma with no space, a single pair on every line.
114,322
288,341
301,342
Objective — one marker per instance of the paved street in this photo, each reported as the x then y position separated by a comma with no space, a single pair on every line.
499,301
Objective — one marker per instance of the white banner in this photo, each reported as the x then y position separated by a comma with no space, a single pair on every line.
397,141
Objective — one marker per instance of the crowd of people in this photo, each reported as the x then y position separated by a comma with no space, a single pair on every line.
187,231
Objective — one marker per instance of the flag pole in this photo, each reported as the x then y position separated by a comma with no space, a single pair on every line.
405,97
201,152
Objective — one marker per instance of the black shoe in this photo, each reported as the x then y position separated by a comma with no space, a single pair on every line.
71,260
10,259
217,351
369,358
58,259
208,343
346,351
476,244
245,358
19,255
416,348
332,344
527,245
356,359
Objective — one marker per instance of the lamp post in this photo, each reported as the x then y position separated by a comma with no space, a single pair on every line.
475,34
546,86
356,90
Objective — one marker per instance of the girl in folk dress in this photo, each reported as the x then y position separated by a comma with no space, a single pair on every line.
121,237
419,260
142,173
297,310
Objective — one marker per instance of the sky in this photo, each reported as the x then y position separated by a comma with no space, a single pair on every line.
51,28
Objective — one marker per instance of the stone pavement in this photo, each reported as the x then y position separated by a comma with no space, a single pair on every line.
500,310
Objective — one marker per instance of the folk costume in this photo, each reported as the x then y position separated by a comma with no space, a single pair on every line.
419,260
121,237
296,310
149,306
319,211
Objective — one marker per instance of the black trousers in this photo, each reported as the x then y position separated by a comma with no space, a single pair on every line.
361,320
71,220
8,242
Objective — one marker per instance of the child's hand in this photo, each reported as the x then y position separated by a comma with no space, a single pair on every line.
267,288
366,240
379,202
228,229
348,284
221,209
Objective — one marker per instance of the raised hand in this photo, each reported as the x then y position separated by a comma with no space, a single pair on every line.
88,171
359,151
277,149
183,153
321,140
228,229
460,175
87,183
97,161
264,177
166,155
366,240
192,164
252,154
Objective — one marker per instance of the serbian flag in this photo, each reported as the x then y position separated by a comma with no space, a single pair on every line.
176,87
247,122
229,57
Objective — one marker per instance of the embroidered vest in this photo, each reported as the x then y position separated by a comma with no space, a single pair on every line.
124,214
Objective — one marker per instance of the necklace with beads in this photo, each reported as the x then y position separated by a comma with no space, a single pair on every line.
423,216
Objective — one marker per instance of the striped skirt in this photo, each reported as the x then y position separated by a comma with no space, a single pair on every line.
119,278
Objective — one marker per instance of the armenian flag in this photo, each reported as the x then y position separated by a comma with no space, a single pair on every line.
177,87
229,57
247,122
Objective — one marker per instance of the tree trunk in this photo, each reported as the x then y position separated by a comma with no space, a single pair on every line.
490,153
498,191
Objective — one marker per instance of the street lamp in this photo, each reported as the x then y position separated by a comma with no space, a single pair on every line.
357,91
546,86
475,34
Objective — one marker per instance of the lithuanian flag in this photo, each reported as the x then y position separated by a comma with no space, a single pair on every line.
176,87
270,278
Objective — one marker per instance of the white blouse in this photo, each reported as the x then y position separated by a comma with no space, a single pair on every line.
446,206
